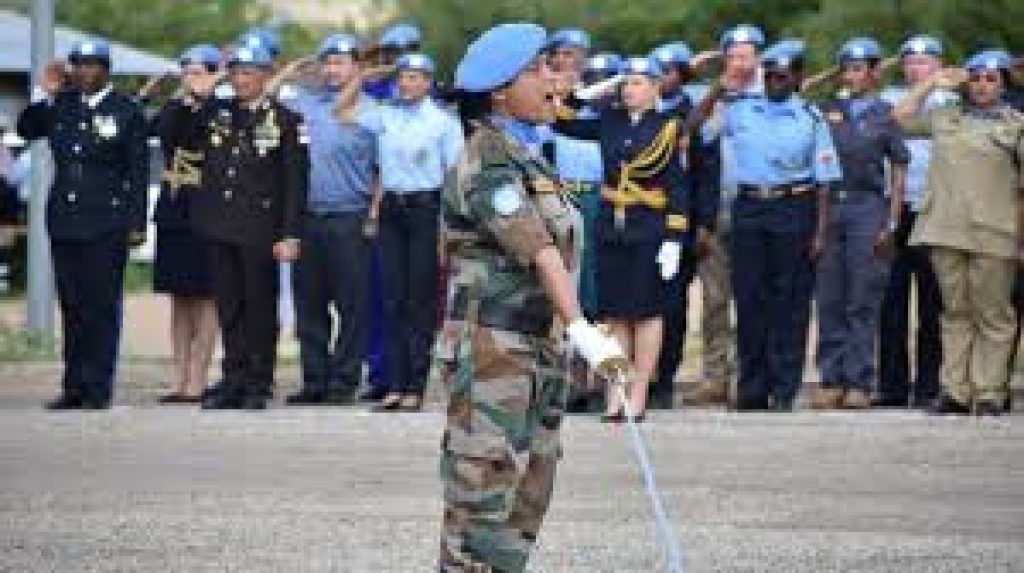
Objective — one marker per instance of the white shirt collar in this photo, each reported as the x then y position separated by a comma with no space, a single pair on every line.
94,100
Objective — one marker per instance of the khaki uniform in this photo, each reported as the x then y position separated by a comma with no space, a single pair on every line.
717,330
497,355
969,218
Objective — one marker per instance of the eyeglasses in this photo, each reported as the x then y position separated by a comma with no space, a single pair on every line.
989,78
776,76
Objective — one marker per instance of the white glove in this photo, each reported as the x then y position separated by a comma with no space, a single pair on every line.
668,259
599,350
599,89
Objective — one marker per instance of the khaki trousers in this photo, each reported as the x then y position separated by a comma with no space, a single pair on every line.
978,323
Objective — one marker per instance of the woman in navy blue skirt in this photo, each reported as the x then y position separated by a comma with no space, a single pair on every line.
644,221
182,267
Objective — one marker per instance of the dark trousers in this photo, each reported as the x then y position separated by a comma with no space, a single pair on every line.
90,277
910,265
674,333
773,279
333,269
409,229
246,287
851,283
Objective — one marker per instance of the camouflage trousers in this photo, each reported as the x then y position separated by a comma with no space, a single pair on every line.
500,449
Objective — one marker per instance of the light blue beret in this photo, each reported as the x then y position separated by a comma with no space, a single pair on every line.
336,44
401,36
603,62
927,45
499,55
421,62
261,38
742,34
256,56
675,53
641,65
96,48
570,37
200,54
989,60
784,53
859,49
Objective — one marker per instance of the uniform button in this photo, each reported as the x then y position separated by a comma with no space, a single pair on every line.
234,150
231,172
266,203
72,197
227,194
114,202
77,148
83,126
629,142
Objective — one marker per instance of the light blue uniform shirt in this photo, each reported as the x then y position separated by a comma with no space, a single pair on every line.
342,156
418,145
920,149
775,143
576,160
528,135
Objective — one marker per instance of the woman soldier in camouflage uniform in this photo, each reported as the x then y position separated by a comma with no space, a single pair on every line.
513,237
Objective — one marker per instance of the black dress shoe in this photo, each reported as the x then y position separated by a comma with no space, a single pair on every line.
221,401
306,398
615,418
64,402
947,405
988,408
176,398
888,402
340,396
95,404
660,401
752,406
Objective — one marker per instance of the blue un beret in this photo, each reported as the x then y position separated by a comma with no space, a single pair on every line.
742,34
784,53
675,53
400,36
96,48
641,65
989,60
261,38
336,44
420,62
202,55
859,49
926,45
257,57
498,55
605,62
570,37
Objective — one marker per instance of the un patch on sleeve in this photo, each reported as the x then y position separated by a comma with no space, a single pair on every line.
507,199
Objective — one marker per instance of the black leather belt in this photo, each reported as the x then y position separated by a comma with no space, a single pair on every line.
531,322
769,192
417,199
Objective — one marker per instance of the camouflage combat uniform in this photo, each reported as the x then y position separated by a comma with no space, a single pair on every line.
499,355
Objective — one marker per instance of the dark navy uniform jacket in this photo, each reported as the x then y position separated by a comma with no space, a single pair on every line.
255,173
865,135
182,132
622,141
101,160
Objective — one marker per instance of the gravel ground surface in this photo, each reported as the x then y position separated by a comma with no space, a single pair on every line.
148,488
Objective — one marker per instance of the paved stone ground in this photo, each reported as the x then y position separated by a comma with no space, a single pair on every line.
145,488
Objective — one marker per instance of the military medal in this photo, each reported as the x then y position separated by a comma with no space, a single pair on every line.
267,135
105,125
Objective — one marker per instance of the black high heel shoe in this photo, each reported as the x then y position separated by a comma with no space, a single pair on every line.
615,418
390,403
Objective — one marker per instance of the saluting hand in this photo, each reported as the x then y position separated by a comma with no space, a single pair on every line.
55,76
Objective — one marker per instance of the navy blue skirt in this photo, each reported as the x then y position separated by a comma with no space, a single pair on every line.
629,282
182,264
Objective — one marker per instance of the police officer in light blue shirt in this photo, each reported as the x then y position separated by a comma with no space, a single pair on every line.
419,145
784,161
920,57
854,267
333,268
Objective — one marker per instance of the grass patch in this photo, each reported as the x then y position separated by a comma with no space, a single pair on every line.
22,346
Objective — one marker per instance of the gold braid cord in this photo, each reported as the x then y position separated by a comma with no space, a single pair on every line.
648,163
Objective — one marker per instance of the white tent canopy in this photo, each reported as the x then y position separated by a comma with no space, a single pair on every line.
16,48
